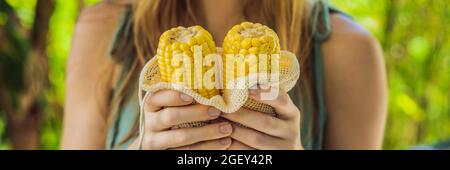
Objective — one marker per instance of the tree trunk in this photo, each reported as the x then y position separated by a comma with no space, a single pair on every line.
24,120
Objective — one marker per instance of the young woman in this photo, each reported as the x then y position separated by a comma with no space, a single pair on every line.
339,102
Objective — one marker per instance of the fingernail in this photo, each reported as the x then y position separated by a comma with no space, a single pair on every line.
225,141
186,98
264,86
225,128
213,112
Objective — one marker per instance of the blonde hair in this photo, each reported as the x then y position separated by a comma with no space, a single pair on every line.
289,18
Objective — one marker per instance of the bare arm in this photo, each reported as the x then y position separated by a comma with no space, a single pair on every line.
88,81
355,88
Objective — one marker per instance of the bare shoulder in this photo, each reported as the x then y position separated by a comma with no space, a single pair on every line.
93,34
102,12
88,77
89,65
89,57
351,49
355,86
347,34
353,59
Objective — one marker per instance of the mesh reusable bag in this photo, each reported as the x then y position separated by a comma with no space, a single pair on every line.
229,101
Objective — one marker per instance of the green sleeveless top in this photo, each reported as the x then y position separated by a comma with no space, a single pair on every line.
314,113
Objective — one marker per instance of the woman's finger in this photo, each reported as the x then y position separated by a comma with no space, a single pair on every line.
236,145
255,139
265,123
218,144
188,136
166,98
172,116
276,98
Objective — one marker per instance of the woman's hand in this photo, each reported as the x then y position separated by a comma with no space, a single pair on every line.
265,131
166,109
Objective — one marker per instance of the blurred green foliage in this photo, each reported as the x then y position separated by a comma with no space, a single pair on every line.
414,36
60,36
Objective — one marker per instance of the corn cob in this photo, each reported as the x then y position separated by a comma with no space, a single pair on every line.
181,40
249,38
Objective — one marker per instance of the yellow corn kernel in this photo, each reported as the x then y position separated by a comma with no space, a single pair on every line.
181,40
246,43
249,38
